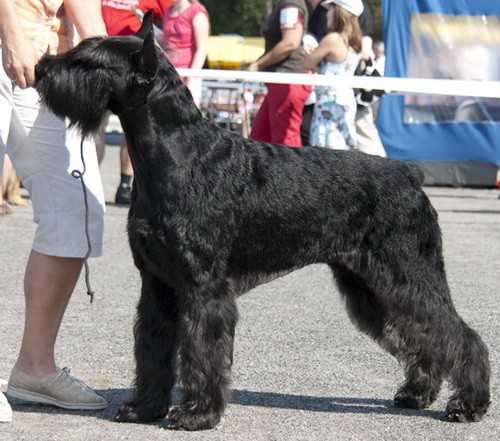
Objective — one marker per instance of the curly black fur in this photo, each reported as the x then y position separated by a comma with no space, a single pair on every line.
213,215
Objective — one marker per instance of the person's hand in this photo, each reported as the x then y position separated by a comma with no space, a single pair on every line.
366,54
309,43
308,50
253,67
19,59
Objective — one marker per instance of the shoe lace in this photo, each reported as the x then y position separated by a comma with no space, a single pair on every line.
66,372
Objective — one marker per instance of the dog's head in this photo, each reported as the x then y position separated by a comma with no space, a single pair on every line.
115,73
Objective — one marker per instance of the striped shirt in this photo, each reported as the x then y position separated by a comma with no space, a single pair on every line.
46,24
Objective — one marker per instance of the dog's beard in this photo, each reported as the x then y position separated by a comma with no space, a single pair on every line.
74,93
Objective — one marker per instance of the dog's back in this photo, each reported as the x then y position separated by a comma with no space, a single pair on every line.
276,198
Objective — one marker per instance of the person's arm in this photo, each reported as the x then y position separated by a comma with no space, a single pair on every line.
331,46
319,53
201,28
86,15
366,47
290,41
18,55
366,24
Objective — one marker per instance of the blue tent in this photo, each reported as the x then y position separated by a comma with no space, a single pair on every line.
456,140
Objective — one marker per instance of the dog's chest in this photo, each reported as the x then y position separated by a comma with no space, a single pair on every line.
153,244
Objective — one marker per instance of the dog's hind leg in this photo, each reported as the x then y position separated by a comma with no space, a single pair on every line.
434,343
469,375
372,315
415,320
443,346
440,345
208,317
155,334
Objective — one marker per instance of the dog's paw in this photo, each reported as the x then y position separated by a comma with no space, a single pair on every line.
405,398
128,413
458,411
184,418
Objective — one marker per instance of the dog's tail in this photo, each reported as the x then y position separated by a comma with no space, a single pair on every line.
416,174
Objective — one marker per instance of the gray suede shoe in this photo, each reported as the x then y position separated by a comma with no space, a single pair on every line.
5,410
59,389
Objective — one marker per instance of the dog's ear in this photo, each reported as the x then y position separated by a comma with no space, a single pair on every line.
147,25
146,60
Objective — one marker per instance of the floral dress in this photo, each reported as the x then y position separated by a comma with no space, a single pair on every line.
333,120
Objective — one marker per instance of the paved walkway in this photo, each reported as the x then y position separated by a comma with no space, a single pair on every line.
301,371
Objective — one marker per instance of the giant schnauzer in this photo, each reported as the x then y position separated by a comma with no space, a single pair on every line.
213,215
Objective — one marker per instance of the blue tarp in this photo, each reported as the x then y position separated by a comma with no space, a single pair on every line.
419,132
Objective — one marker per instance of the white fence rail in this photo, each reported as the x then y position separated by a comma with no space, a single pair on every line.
413,86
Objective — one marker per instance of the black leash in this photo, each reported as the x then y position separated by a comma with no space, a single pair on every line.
77,174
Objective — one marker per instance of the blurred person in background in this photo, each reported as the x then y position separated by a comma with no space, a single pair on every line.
367,137
280,115
186,27
338,53
379,52
316,30
5,172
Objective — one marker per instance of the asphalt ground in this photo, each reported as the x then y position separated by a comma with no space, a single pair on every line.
301,370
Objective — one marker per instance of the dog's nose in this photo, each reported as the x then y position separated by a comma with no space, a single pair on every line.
42,67
39,71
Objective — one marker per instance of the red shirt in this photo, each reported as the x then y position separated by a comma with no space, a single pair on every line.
179,35
121,20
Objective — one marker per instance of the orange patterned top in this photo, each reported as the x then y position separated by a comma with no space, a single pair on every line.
46,24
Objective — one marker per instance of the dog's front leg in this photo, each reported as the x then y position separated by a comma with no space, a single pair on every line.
155,334
207,319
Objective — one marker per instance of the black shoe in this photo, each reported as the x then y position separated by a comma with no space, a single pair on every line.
123,194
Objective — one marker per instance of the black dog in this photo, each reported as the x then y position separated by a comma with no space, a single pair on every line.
213,215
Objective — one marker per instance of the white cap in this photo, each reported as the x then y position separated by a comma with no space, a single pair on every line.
353,6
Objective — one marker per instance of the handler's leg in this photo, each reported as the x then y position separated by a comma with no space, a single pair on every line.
45,153
48,284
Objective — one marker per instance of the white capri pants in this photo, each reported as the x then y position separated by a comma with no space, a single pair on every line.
44,154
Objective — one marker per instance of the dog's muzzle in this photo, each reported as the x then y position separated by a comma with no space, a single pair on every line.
42,67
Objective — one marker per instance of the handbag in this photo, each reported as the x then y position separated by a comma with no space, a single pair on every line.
366,98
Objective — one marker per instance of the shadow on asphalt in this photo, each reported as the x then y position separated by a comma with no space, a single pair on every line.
454,196
342,405
326,404
472,211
